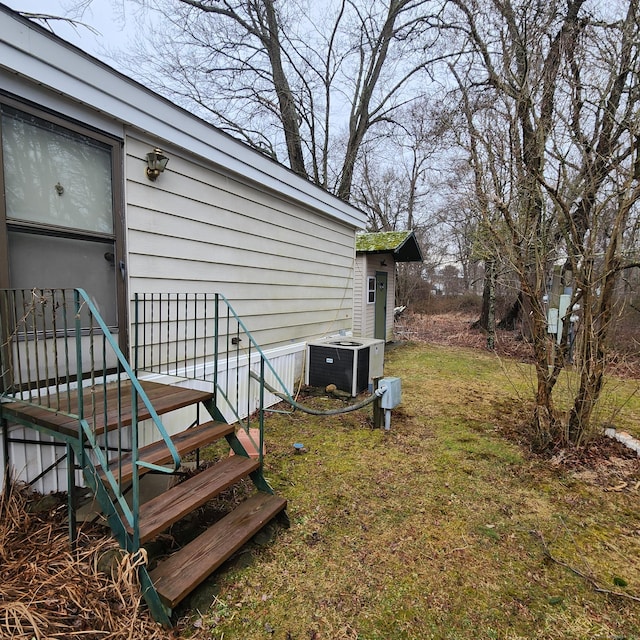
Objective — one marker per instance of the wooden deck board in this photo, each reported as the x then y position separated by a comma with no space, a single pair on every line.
176,576
101,407
161,512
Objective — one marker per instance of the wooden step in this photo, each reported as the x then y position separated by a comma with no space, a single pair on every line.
179,574
164,399
184,442
161,512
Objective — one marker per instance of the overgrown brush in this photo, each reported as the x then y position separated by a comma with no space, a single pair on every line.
49,591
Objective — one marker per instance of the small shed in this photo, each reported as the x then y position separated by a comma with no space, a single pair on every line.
375,279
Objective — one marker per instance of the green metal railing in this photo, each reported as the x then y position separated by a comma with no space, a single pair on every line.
57,353
200,337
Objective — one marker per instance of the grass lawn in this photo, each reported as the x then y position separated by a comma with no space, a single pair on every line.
442,528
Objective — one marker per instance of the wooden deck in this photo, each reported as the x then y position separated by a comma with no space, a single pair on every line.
101,406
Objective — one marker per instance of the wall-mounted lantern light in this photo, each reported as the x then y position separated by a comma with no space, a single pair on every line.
157,162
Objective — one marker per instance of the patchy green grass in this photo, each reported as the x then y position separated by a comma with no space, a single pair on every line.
441,528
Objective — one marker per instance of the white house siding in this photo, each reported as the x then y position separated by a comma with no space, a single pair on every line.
286,268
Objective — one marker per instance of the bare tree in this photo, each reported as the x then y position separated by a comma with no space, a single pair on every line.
564,82
478,183
305,83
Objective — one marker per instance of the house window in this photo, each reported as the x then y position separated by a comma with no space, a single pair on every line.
371,290
61,186
55,177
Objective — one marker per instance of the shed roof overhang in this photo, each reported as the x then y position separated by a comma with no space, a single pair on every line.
402,244
39,57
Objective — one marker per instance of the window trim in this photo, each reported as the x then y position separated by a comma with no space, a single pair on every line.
371,290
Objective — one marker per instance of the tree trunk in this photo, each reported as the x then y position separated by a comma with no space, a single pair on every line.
491,276
548,427
513,316
487,319
593,357
286,100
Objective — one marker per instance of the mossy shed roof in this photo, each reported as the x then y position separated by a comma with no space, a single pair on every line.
402,244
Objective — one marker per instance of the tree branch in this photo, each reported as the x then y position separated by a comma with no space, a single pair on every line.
585,576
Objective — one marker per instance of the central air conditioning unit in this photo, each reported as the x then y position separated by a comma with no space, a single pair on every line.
349,363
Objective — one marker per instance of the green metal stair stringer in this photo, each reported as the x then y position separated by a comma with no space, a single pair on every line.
158,610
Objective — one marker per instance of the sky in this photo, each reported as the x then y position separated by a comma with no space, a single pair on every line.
101,16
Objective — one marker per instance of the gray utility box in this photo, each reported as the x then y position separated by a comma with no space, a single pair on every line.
349,363
392,397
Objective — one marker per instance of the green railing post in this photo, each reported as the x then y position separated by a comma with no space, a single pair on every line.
78,325
71,496
261,415
135,480
216,349
136,337
70,456
4,425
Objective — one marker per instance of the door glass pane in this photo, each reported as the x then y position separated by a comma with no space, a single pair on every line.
51,262
55,176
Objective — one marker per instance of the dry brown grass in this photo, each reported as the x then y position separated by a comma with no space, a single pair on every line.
455,330
48,591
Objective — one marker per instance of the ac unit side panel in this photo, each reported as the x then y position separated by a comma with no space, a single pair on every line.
362,371
376,359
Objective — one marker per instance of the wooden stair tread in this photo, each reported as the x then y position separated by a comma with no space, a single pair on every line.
41,417
161,512
101,406
179,574
184,442
164,398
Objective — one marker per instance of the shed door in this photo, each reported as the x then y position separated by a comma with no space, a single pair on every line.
380,323
57,218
